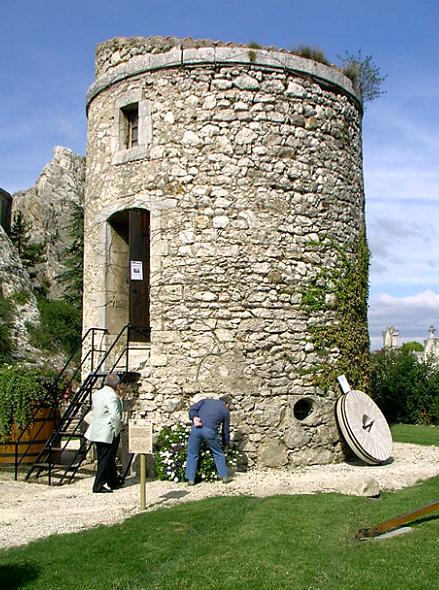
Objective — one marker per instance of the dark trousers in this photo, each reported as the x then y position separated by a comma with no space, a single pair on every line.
106,472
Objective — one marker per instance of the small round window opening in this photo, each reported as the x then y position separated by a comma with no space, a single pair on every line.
303,408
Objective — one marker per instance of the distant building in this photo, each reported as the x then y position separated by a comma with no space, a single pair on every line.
390,337
431,344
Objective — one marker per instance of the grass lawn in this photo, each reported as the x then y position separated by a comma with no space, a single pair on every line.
282,542
415,433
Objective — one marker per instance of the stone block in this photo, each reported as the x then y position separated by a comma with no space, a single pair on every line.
272,453
359,486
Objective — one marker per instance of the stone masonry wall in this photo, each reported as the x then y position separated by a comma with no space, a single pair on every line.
252,158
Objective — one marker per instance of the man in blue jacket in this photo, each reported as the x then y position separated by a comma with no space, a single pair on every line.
208,416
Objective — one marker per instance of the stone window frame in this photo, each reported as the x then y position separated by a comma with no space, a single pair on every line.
131,101
129,128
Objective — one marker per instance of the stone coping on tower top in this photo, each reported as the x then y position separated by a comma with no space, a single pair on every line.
124,57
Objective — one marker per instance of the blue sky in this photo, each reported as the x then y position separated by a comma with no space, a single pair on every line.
47,51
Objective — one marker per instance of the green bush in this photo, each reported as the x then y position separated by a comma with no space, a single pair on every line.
171,451
412,346
21,297
21,389
60,326
5,328
406,389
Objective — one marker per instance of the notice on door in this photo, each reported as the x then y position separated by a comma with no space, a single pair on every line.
140,436
136,270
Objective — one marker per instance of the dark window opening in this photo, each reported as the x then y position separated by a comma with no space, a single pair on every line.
130,124
303,408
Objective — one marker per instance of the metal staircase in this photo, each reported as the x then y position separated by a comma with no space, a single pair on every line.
66,450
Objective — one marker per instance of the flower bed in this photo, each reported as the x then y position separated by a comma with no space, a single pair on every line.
171,451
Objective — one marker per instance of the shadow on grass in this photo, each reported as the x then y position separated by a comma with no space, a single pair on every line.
16,576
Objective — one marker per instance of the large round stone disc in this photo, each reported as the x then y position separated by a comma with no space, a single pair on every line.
364,427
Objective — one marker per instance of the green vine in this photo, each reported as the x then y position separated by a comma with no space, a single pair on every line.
21,389
342,291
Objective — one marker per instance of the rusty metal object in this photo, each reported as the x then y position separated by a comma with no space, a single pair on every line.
397,521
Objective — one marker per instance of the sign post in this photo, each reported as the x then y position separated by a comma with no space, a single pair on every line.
140,442
142,459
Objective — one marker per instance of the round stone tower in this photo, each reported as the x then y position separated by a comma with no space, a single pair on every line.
224,201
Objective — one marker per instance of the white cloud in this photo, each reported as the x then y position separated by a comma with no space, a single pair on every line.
402,195
404,180
412,315
403,239
401,147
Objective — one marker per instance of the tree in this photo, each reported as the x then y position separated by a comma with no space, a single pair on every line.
412,346
406,389
31,253
365,75
73,275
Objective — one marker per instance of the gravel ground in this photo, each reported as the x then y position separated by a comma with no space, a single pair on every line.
30,511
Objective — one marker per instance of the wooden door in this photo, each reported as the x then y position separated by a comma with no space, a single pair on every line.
139,261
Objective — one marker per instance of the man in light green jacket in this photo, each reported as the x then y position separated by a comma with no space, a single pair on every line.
104,431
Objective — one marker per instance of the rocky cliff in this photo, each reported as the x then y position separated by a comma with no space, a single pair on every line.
47,209
15,288
46,213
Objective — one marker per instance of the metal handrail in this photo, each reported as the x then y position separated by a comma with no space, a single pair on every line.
51,398
78,402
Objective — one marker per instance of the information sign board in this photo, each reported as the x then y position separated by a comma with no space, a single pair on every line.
140,436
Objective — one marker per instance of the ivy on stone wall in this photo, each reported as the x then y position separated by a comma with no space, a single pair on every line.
341,292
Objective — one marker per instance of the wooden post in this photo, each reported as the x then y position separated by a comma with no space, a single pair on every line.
142,459
140,442
397,521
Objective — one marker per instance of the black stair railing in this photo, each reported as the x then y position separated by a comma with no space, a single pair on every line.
57,451
52,399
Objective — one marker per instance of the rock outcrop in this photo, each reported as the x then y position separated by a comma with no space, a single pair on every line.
47,210
15,287
46,215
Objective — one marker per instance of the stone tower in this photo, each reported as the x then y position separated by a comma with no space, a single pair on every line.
214,172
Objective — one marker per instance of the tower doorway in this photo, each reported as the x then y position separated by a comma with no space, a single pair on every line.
128,273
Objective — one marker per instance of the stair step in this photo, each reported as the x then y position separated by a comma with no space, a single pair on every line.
54,462
54,466
69,433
